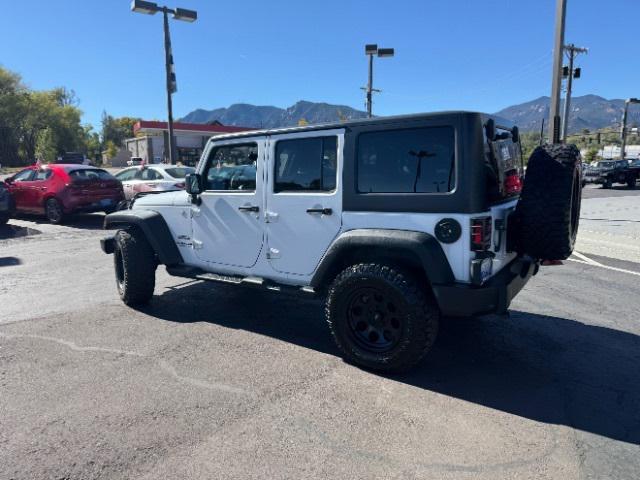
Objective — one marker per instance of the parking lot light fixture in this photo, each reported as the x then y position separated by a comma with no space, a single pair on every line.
185,15
150,8
140,6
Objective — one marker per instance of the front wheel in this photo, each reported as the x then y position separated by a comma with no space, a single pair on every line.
608,183
135,267
380,318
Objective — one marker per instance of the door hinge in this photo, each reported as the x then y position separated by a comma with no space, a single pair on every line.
270,217
273,253
197,244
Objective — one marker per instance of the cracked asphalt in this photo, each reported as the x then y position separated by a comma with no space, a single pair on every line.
212,382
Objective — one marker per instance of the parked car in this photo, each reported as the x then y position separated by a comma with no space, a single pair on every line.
134,161
152,178
58,190
6,203
394,221
72,158
609,172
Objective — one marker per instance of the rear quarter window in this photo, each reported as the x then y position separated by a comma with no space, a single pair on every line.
413,160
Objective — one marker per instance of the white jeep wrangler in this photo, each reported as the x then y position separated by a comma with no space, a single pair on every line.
396,221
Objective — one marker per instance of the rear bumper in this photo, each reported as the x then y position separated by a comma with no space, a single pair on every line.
463,300
92,205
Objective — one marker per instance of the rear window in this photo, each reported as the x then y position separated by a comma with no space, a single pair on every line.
416,160
90,174
180,172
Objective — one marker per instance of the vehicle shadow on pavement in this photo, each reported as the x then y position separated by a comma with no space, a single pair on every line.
86,221
14,231
10,261
547,369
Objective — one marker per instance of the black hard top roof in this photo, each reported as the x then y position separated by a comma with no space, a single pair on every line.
345,124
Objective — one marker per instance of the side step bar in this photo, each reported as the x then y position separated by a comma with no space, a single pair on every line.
199,274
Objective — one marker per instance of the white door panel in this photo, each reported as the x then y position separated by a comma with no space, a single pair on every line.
302,224
228,225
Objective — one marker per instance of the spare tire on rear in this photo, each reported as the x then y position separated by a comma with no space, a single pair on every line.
549,208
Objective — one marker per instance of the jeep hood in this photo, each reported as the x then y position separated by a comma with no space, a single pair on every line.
164,199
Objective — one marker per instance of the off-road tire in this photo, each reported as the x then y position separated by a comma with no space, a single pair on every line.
418,322
135,267
549,208
54,211
608,183
631,183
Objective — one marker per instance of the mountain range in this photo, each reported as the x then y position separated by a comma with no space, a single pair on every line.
246,115
587,112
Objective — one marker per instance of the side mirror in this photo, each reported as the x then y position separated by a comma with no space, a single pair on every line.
490,130
193,186
8,180
515,134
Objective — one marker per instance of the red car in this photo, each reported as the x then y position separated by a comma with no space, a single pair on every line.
57,190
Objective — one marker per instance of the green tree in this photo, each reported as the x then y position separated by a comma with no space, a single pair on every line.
591,155
45,149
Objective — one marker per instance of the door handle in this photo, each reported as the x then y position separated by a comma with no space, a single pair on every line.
323,211
249,208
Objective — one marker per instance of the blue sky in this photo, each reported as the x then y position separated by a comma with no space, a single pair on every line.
469,54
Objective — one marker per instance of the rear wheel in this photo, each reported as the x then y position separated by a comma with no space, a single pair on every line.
135,267
380,318
631,182
53,211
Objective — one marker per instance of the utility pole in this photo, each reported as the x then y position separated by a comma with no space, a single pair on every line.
623,127
572,51
556,79
370,50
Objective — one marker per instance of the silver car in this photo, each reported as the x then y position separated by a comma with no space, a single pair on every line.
152,178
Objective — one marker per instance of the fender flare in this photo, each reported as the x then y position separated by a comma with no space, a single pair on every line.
414,246
154,227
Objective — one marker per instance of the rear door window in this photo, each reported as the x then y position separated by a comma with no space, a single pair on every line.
415,160
306,164
126,175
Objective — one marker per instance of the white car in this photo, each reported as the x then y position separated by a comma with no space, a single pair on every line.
152,178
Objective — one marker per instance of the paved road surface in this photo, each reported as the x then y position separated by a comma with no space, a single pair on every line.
219,383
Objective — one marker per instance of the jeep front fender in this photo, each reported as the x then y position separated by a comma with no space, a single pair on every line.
155,229
405,245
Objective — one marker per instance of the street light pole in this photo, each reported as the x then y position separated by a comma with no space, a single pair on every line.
168,60
556,79
371,50
370,88
151,8
623,127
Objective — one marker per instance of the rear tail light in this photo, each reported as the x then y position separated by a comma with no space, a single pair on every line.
512,183
480,234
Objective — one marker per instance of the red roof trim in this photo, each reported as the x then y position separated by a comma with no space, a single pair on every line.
194,127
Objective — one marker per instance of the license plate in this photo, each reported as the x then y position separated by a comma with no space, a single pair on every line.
486,268
105,202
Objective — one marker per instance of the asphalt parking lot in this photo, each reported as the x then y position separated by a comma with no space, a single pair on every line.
213,382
